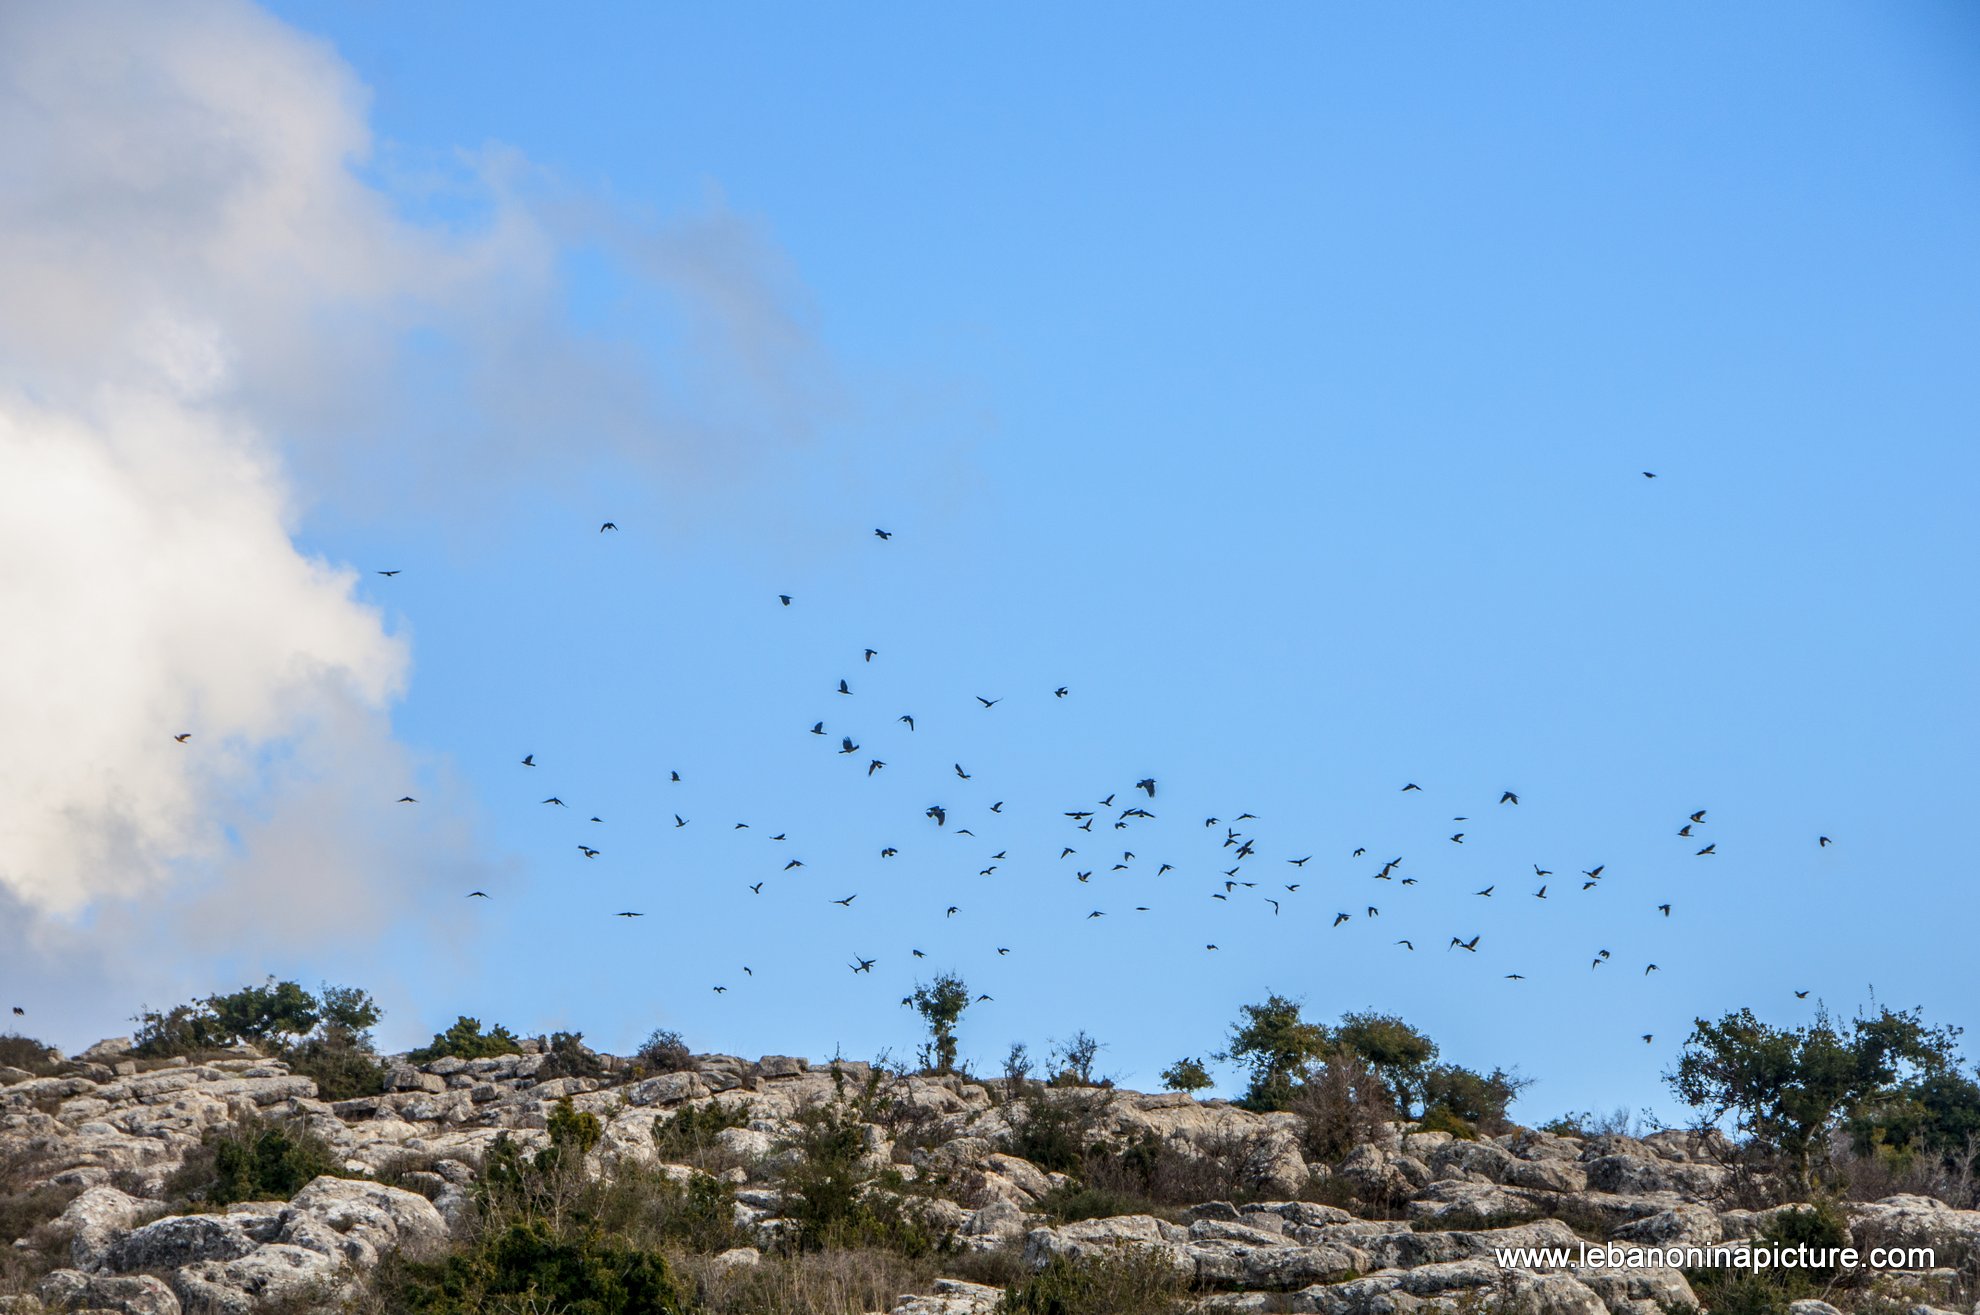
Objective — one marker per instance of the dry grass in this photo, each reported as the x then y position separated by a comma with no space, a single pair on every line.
850,1282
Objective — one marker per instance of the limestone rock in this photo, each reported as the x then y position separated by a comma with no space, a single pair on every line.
141,1294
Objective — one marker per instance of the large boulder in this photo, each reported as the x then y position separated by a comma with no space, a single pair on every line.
273,1274
1916,1221
137,1294
180,1240
94,1220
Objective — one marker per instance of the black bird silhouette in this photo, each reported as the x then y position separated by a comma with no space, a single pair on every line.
1646,1035
818,728
1685,830
1293,887
939,813
794,863
1699,816
1540,893
872,653
883,534
1247,817
1458,839
848,900
1083,876
997,807
988,703
919,955
629,915
1539,871
846,744
1595,873
1664,909
1060,692
785,599
608,525
1359,852
1067,850
182,736
1340,918
1148,784
981,998
909,721
388,573
1651,969
675,777
1514,977
1300,862
960,772
1373,912
1712,848
740,826
889,852
679,821
874,766
1487,891
1799,995
953,911
1095,914
407,799
842,688
860,965
1412,786
529,760
22,1013
719,990
1275,906
1166,867
1823,842
588,851
477,894
553,799
1649,474
1508,798
1406,945
756,889
1471,944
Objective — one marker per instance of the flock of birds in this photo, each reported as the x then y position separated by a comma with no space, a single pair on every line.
1100,839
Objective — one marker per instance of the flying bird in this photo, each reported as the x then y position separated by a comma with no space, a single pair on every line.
1508,798
1458,839
785,599
588,851
846,745
1411,786
953,911
1646,1038
961,773
679,821
1407,945
988,703
1060,692
476,894
183,736
874,766
1148,784
860,965
1649,474
940,814
1823,842
1487,891
407,799
1699,816
1651,969
1799,995
872,653
818,728
629,915
794,863
842,687
1664,909
553,799
847,901
1299,862
1340,918
1540,893
608,525
1712,848
756,889
909,721
883,534
889,852
388,573
529,760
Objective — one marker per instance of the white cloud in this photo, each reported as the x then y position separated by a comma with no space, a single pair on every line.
205,309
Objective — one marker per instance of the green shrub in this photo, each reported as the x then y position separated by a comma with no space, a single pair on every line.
1480,1099
253,1159
691,1130
527,1267
340,1069
664,1052
1132,1281
26,1053
1342,1102
1073,1201
834,1197
1052,1129
569,1057
465,1040
1438,1118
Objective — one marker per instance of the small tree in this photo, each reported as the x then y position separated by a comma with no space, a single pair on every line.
1787,1087
259,1013
1186,1075
1275,1044
941,1006
1398,1053
1073,1058
465,1040
1479,1099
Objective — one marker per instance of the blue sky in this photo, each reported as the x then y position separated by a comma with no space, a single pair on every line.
1280,384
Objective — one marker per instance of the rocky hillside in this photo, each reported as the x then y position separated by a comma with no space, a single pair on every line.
1233,1212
